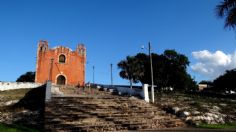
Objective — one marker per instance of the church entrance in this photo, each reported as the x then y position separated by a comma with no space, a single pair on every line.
61,80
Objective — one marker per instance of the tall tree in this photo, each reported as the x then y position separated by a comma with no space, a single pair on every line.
131,69
227,9
169,70
175,70
226,81
143,61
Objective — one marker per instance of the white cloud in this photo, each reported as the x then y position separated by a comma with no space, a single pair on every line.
212,64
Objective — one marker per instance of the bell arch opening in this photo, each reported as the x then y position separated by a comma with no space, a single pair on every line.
62,58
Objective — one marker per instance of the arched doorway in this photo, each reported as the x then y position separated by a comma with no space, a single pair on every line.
61,80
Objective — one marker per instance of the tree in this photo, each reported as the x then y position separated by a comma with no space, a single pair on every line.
227,9
226,81
206,82
144,62
27,77
169,70
175,71
131,69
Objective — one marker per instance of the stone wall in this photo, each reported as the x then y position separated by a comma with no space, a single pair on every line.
17,85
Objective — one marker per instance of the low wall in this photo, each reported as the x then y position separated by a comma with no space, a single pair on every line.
135,91
129,91
18,85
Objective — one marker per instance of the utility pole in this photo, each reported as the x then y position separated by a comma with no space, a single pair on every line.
150,55
93,75
111,77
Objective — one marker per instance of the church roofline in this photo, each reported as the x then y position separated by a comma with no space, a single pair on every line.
56,47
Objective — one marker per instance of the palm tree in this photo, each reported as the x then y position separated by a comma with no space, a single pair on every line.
227,9
131,69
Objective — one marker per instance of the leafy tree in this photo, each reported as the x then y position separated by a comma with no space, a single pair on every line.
206,82
176,70
227,9
143,60
27,77
226,81
169,70
131,69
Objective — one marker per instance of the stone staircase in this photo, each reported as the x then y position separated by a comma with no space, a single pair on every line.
74,91
105,112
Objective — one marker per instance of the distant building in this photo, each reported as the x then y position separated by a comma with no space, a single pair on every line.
202,86
61,65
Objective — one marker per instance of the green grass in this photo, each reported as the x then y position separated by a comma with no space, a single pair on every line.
218,126
30,100
15,94
15,128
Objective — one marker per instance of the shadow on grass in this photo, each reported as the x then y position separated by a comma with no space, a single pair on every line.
33,100
33,104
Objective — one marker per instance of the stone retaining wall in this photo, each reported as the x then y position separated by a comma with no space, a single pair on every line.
18,85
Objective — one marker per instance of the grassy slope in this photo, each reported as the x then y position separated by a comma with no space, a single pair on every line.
13,94
15,128
219,126
199,103
29,99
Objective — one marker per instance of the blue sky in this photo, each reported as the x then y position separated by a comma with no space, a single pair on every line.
110,29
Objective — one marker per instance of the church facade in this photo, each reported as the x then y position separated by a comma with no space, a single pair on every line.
60,65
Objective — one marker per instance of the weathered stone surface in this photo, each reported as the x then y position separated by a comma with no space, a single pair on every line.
105,112
196,113
176,110
201,109
11,102
184,114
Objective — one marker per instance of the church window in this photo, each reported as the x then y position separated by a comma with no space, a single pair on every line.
62,58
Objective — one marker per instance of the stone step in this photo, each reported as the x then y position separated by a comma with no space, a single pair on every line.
105,112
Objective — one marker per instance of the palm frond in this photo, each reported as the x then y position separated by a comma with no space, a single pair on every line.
224,7
227,9
231,18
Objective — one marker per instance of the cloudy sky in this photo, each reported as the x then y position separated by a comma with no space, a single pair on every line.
113,29
212,64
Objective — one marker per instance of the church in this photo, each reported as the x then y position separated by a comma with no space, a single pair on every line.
61,65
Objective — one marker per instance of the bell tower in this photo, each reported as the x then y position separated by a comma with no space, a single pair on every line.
42,46
81,50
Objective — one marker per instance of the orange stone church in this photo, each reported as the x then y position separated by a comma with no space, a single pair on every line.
60,65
